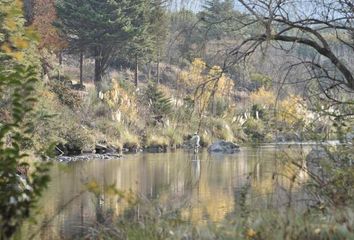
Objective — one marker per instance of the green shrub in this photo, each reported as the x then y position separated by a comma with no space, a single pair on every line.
16,197
158,103
175,136
219,129
219,107
76,139
205,139
157,141
238,132
255,130
262,112
261,80
130,140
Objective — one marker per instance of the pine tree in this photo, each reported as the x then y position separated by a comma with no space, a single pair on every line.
158,30
219,14
102,27
140,46
158,102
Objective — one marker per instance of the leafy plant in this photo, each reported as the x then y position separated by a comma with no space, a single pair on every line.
18,192
159,104
17,196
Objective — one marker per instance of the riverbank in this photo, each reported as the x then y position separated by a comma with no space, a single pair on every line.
157,118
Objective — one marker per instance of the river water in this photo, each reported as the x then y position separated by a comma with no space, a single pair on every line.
210,185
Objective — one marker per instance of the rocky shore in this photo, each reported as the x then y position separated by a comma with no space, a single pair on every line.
87,157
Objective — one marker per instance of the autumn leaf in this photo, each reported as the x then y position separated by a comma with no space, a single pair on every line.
93,187
251,233
20,43
6,48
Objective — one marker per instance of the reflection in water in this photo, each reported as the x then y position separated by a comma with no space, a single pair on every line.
211,184
195,171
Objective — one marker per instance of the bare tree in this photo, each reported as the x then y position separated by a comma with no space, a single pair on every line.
318,26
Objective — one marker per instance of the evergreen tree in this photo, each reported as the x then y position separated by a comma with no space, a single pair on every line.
158,102
218,17
158,30
141,44
152,24
103,28
188,41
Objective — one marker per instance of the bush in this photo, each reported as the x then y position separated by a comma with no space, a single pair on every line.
175,137
262,112
238,132
205,139
219,129
157,101
255,130
261,80
76,139
219,107
18,192
157,141
130,141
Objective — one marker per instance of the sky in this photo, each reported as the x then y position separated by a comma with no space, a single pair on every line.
193,5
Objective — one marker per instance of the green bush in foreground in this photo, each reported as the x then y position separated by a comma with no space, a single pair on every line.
17,194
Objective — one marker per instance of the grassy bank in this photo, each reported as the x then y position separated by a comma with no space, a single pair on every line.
159,117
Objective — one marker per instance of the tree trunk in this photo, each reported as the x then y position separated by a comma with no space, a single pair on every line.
60,58
98,73
60,64
28,10
136,71
149,71
98,69
158,69
81,68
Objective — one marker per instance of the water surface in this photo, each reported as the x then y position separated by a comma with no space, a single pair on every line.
210,185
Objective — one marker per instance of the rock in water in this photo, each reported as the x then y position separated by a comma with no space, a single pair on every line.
222,146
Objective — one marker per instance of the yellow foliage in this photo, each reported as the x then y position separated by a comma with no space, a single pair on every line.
291,109
263,97
118,98
19,4
251,233
6,48
47,95
19,42
205,85
10,24
15,42
19,56
194,76
198,66
93,187
129,139
154,140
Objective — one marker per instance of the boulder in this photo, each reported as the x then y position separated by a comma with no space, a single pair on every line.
222,146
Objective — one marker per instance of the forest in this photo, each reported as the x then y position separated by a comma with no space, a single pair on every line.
101,103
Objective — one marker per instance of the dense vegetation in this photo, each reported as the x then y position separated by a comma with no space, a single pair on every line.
144,75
